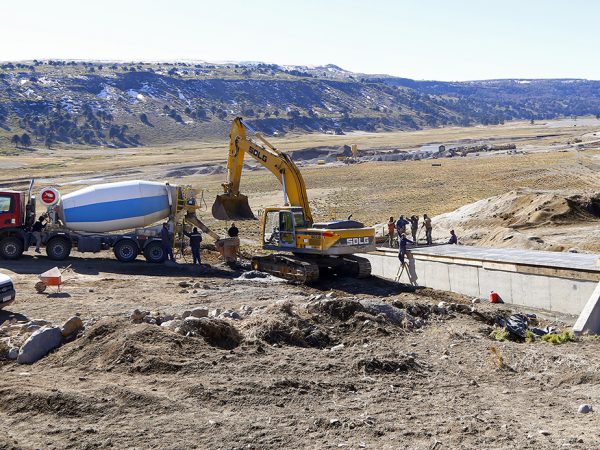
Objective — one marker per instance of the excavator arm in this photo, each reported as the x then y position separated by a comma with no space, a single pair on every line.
233,205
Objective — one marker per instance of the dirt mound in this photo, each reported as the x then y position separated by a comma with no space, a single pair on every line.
281,324
217,332
524,218
116,344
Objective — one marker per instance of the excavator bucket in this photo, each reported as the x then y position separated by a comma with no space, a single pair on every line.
230,207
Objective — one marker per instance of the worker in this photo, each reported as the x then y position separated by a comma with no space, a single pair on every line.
428,228
166,243
401,226
391,228
453,239
402,247
414,226
195,240
233,230
37,229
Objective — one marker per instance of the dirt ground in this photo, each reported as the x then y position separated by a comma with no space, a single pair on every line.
306,372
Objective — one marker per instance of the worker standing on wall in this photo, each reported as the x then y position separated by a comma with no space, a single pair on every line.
453,238
166,243
195,239
402,247
401,226
428,228
391,229
414,226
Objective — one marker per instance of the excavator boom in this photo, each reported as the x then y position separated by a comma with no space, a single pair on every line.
232,205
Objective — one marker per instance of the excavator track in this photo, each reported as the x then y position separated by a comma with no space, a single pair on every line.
357,266
286,267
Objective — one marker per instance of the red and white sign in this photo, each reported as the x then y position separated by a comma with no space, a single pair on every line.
49,196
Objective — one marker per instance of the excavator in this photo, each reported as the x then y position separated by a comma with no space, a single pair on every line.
304,249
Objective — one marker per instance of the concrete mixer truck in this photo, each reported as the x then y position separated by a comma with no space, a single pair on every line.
90,219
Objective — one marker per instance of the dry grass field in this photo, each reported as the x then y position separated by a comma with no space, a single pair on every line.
550,156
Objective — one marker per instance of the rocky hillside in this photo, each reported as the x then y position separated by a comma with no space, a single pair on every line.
129,104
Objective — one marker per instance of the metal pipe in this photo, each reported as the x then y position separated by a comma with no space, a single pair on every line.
285,198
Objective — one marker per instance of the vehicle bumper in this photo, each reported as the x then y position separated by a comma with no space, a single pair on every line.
7,297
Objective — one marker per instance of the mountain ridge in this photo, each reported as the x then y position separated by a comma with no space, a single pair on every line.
129,104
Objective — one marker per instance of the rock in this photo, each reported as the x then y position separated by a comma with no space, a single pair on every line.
215,312
39,344
137,316
475,300
150,320
337,347
230,314
184,284
585,408
246,310
442,308
185,314
330,295
199,312
172,324
544,432
13,352
33,325
393,314
71,326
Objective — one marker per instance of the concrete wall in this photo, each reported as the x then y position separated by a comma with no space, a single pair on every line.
525,285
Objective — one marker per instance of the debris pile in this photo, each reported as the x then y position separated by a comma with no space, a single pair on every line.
28,342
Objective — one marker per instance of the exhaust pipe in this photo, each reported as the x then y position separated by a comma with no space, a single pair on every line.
232,207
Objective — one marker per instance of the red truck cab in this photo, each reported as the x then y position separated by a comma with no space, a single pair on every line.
15,215
11,209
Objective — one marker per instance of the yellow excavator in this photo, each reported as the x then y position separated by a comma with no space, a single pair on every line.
310,249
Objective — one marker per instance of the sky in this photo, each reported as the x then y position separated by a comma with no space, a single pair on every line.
451,40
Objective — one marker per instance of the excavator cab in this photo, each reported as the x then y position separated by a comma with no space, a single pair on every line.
232,207
280,226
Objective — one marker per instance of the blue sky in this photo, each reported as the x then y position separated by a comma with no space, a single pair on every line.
442,40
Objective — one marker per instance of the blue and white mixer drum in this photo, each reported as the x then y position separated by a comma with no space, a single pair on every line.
110,207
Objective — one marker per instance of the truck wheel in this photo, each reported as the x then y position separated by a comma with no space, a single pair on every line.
154,252
11,248
126,250
58,248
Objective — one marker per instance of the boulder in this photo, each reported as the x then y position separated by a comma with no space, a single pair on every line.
39,344
172,324
13,353
199,312
137,316
375,307
71,326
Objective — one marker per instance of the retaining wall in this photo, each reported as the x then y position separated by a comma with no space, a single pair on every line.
553,287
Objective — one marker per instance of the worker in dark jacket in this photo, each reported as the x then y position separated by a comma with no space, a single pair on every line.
401,226
233,231
37,229
402,247
195,240
453,238
166,243
414,226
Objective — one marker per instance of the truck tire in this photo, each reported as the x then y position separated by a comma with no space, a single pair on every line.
126,250
11,247
58,248
154,252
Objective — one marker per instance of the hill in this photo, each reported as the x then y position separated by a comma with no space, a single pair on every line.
130,104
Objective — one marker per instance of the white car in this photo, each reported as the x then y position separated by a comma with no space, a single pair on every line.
7,291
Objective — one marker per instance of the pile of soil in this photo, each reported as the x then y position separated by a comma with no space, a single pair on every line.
525,218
